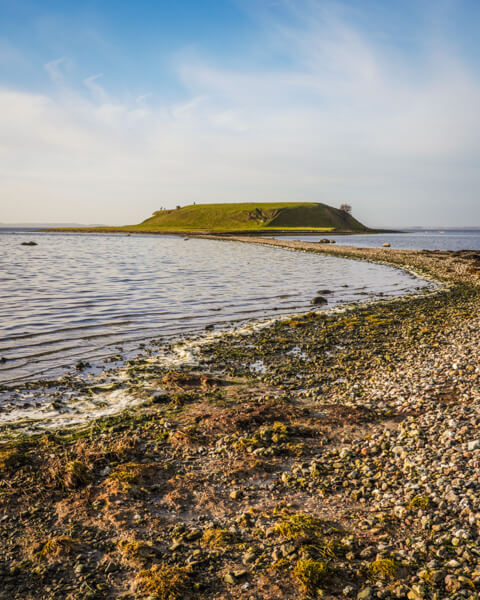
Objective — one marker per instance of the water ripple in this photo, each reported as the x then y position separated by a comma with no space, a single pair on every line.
80,296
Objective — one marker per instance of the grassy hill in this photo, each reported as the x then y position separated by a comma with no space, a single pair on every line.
250,217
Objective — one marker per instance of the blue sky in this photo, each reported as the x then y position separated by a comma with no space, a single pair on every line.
109,110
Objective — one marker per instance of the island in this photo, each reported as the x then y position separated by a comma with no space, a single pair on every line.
252,218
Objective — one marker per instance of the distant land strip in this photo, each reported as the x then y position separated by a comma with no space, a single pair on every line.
269,218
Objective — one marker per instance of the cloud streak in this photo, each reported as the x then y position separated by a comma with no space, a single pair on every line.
343,118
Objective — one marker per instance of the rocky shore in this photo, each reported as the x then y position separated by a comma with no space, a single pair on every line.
325,456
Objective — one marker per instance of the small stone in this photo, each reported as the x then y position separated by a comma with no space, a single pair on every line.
240,573
451,497
229,578
399,451
452,584
473,445
416,593
368,552
249,555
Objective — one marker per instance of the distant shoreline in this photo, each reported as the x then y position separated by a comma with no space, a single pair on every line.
200,232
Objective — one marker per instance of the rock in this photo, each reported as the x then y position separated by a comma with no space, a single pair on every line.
473,445
29,244
250,555
368,552
82,364
229,578
399,451
451,497
319,300
364,594
386,245
417,592
240,573
452,584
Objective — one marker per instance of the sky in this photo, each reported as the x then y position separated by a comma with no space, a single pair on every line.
110,110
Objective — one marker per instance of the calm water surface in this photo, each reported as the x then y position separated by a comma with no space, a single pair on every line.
75,296
410,240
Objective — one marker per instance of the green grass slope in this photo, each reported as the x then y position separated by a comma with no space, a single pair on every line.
252,217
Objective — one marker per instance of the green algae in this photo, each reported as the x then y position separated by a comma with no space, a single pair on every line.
311,575
165,582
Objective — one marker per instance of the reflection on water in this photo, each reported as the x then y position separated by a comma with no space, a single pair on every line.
75,297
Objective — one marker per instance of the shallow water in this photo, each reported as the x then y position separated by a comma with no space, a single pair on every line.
459,239
89,297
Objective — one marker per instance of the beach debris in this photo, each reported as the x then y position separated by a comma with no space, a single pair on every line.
31,243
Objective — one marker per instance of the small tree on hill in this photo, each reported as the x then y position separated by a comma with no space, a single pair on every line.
346,208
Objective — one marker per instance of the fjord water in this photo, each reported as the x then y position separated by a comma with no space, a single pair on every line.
88,297
453,239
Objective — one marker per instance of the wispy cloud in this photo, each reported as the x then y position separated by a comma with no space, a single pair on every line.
55,69
343,116
98,92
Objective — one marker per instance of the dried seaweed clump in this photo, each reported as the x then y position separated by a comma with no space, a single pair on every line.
310,575
300,525
383,568
76,475
217,538
56,546
165,582
11,458
137,551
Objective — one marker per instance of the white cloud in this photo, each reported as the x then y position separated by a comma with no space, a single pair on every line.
349,121
187,110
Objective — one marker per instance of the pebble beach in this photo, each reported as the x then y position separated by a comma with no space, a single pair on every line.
327,455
